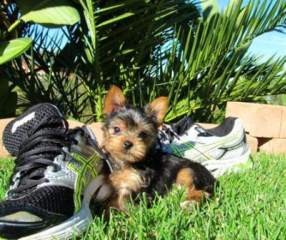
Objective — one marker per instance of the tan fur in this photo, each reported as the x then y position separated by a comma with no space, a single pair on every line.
159,107
114,146
113,143
125,182
185,178
113,100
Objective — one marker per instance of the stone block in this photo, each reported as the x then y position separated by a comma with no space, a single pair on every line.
208,125
260,120
74,123
252,142
275,145
96,128
283,123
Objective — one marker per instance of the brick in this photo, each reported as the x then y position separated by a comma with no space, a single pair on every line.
96,128
208,125
252,142
260,120
74,123
283,124
275,145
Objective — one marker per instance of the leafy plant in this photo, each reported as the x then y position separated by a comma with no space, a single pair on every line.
10,49
215,66
193,52
87,63
51,12
12,46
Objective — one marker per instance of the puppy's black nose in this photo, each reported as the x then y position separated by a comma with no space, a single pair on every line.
127,145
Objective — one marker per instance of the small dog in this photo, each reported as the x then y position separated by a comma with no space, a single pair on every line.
130,138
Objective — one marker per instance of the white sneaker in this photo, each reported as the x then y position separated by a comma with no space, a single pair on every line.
221,149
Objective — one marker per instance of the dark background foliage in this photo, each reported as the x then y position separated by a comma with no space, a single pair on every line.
190,51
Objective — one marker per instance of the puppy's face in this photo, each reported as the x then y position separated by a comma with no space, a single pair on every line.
130,133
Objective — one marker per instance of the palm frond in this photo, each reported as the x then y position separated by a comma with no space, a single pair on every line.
196,54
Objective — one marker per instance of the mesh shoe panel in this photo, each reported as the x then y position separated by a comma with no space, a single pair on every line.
17,130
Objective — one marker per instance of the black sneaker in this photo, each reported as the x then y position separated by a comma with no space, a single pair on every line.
19,129
52,182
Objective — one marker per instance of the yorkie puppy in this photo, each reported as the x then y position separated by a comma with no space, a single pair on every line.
130,138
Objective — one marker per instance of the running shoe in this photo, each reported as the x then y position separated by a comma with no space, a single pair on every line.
54,177
221,149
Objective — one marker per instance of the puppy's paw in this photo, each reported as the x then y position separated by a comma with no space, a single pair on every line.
189,205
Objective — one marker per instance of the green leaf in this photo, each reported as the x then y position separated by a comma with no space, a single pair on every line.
113,20
88,12
210,7
14,48
51,12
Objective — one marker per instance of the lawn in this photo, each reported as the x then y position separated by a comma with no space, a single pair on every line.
248,205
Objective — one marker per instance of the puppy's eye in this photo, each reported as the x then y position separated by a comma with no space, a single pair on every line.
116,130
142,135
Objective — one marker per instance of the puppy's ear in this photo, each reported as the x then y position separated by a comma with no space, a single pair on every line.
158,109
113,100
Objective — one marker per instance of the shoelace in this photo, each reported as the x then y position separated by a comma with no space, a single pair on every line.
37,152
167,134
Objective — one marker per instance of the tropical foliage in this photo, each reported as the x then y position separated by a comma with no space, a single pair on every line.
194,52
11,45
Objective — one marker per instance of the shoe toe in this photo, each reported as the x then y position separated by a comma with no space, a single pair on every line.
42,208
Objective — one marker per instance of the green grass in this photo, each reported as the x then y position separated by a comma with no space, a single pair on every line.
249,205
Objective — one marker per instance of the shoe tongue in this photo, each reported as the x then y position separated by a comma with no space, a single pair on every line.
182,125
49,124
43,132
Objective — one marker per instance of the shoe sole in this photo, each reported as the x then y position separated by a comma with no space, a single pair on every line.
66,230
236,164
73,226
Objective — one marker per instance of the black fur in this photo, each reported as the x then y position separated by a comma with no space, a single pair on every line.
128,115
161,169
